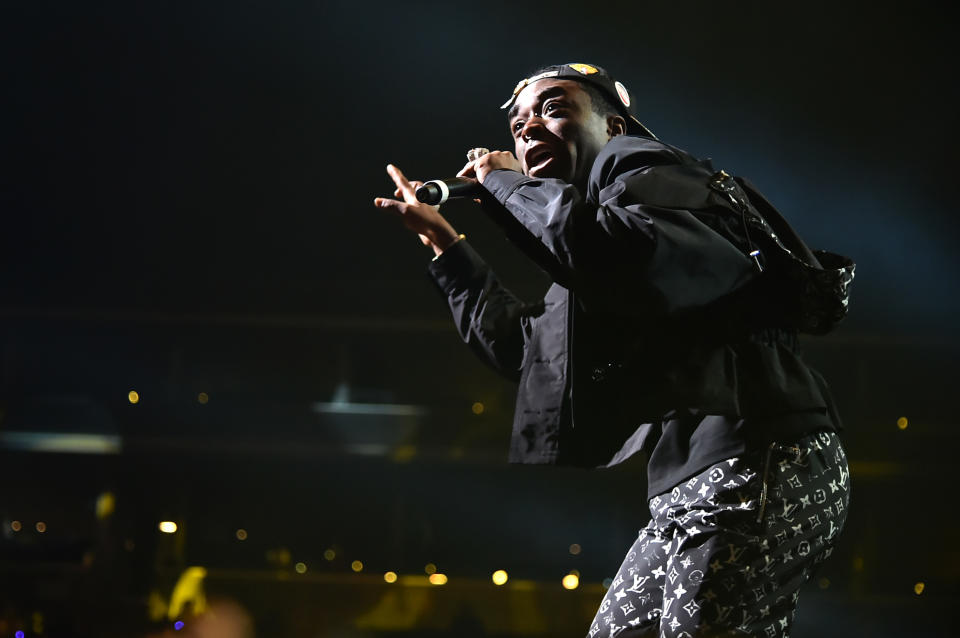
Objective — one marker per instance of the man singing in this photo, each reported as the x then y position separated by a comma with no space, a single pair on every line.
671,327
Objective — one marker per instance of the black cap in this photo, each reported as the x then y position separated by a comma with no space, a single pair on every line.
590,74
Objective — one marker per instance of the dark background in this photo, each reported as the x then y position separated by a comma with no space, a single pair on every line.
187,207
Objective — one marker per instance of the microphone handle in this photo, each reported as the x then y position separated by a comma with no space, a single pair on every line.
437,191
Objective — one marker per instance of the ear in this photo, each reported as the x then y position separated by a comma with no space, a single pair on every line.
616,125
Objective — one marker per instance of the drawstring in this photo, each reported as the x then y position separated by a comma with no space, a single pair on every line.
722,182
793,449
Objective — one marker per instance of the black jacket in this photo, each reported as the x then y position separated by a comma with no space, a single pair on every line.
657,306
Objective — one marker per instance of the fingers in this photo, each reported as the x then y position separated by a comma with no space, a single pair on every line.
397,176
405,188
470,170
415,184
399,208
417,209
391,205
496,160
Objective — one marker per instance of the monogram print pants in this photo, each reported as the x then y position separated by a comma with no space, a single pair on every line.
726,552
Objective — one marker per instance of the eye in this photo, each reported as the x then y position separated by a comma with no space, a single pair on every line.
517,126
551,107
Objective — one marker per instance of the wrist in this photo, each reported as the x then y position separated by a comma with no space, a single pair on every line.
443,237
437,250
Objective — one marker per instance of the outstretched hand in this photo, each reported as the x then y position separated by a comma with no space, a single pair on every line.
425,220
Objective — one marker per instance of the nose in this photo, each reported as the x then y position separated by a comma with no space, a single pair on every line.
532,128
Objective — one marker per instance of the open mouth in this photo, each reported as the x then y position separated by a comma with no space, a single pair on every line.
538,157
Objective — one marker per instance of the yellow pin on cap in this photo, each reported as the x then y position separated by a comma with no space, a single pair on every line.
586,69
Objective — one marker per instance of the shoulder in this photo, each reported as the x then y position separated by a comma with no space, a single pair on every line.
625,154
631,145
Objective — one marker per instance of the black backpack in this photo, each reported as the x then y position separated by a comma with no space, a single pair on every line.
819,280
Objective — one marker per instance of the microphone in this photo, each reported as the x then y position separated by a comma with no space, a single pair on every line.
437,191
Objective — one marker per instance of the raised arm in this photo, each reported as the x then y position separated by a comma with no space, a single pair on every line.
489,318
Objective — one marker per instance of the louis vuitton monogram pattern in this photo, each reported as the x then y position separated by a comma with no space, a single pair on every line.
720,558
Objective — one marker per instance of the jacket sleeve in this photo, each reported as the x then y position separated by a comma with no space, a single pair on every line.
489,318
631,237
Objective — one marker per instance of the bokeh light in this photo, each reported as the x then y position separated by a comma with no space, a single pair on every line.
167,527
438,579
499,577
301,568
918,588
106,504
477,408
575,549
279,556
902,423
430,568
571,581
390,577
356,566
133,396
241,534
